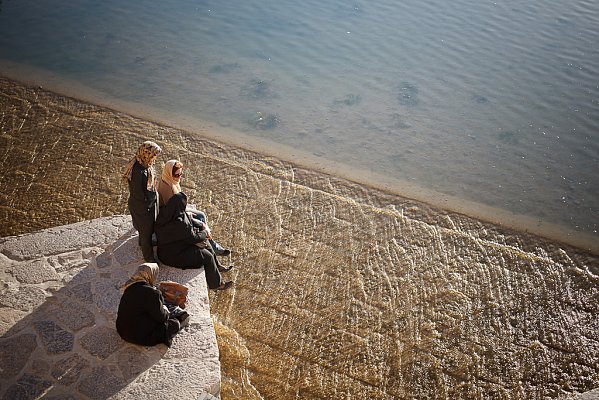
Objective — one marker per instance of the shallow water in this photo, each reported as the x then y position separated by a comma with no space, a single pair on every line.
341,291
494,102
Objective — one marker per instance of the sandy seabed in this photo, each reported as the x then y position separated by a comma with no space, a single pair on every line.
342,291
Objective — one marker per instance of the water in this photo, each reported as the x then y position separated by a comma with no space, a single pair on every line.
341,291
493,102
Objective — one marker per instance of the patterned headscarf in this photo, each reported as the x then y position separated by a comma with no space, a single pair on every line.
146,272
167,186
146,156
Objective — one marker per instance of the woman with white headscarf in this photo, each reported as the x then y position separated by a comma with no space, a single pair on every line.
169,185
143,318
140,176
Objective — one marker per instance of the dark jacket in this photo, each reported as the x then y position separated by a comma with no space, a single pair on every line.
141,200
141,318
177,236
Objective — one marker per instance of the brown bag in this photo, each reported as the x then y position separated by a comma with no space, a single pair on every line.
174,293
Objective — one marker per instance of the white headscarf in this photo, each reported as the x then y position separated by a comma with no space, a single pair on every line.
146,272
168,186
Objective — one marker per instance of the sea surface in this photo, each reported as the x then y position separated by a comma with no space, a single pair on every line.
495,102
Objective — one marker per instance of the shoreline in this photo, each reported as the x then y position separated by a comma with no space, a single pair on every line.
354,289
47,81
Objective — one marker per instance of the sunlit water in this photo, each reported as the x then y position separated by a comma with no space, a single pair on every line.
341,291
495,102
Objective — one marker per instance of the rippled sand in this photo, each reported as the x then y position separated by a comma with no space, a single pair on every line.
342,291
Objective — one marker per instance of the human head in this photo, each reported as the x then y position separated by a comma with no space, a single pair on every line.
147,272
171,168
177,170
147,153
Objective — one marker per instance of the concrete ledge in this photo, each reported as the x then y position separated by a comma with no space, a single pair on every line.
590,395
59,295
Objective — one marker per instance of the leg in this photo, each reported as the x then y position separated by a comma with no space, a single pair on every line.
211,250
144,223
145,236
201,216
213,277
197,219
172,327
218,249
218,264
163,332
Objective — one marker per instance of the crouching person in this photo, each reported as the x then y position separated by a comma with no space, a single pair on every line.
143,317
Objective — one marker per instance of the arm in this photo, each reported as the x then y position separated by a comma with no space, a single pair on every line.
154,305
198,235
139,187
179,230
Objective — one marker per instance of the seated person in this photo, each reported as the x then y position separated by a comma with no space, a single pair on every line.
180,242
170,184
143,318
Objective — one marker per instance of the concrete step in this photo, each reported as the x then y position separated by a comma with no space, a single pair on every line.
59,296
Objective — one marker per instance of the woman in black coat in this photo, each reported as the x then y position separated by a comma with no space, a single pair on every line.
140,176
143,318
182,245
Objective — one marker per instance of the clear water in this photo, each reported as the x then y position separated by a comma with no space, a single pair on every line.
495,102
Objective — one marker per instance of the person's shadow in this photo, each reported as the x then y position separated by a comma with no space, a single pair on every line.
57,320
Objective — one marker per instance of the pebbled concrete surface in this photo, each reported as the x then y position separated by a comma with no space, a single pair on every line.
59,296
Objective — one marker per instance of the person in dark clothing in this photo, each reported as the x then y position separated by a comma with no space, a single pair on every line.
170,184
143,318
184,246
140,175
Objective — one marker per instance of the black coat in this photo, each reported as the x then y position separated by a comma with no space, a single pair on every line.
142,206
177,236
177,240
141,200
141,318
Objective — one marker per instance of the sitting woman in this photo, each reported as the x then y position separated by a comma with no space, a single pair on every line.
182,245
143,318
169,185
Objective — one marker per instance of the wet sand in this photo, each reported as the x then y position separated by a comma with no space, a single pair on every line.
342,290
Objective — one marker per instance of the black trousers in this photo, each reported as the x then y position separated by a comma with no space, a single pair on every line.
144,224
185,256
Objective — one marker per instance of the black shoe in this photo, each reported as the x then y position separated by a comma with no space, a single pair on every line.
224,285
184,321
225,269
222,252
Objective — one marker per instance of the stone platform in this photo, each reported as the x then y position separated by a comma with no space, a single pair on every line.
59,297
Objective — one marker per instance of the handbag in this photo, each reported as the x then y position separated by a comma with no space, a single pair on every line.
173,293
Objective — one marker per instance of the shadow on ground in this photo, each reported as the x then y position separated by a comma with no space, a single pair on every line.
58,327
